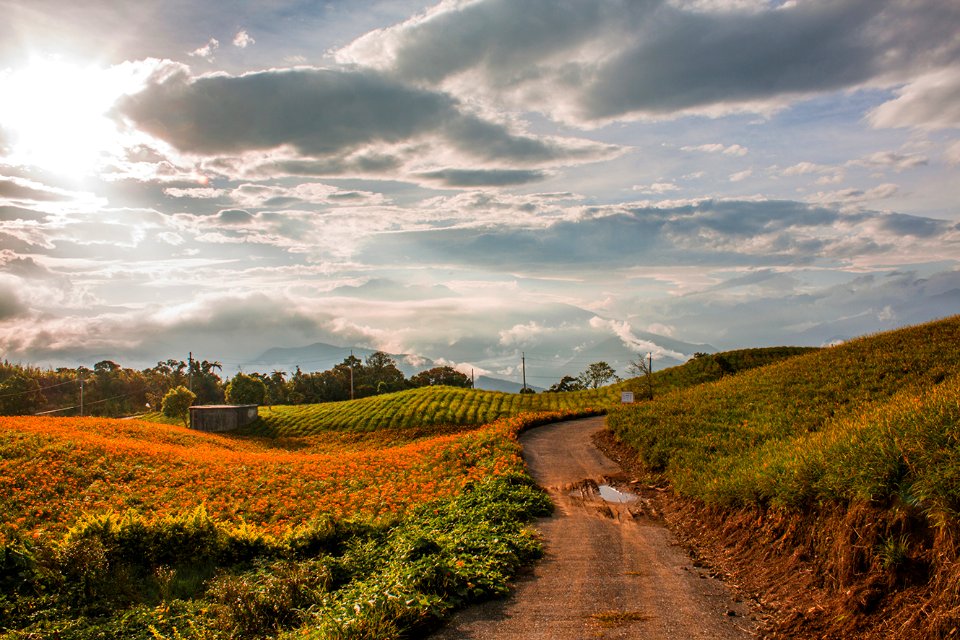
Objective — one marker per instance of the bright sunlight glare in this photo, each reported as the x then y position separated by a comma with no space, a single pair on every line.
55,113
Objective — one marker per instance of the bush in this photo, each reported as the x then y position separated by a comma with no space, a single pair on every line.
244,389
177,402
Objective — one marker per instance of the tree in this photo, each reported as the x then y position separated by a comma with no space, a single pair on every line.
20,395
598,374
441,376
382,374
176,404
205,382
244,389
643,366
567,383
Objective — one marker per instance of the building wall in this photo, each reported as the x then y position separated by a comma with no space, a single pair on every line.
222,418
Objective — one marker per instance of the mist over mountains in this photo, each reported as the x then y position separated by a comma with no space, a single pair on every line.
498,372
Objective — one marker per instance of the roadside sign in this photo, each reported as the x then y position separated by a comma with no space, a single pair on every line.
626,397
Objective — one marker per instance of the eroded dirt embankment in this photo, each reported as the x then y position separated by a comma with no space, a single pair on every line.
816,574
611,570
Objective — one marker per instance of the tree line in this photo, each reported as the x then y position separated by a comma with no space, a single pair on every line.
110,390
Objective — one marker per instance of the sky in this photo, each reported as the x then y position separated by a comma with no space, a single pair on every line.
471,181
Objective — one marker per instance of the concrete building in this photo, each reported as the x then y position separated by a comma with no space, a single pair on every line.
222,417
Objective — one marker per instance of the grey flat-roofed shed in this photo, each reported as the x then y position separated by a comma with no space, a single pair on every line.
222,417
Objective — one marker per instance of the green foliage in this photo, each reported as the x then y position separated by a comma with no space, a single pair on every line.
442,376
177,402
567,383
445,555
598,374
20,395
191,577
873,420
244,389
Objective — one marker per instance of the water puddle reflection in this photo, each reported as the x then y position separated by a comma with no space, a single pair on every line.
612,494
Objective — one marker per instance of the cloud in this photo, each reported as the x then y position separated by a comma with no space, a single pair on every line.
730,150
22,266
806,168
815,314
852,195
896,161
952,153
600,61
740,176
932,101
624,331
482,177
243,39
827,174
603,240
325,114
657,188
27,190
10,304
206,51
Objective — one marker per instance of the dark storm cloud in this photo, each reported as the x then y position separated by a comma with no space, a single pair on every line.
901,224
615,57
726,233
320,112
482,177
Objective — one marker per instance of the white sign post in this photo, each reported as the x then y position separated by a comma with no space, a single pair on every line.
626,397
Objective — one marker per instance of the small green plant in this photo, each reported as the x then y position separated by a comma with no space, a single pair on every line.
893,552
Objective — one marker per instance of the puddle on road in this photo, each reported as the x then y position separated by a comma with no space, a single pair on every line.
612,494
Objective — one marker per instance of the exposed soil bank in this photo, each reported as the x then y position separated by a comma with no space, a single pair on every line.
823,574
611,570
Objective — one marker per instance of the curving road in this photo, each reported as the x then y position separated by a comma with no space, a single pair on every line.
609,572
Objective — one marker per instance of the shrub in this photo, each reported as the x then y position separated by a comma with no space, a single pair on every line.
176,404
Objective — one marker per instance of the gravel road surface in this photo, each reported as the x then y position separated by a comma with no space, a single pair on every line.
610,571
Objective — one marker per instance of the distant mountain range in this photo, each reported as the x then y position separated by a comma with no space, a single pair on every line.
321,356
542,370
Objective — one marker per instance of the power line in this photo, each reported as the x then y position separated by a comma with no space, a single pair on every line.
87,404
40,390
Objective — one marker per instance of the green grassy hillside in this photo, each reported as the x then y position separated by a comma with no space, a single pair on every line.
720,441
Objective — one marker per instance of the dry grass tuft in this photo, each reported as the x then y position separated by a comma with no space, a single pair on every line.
609,619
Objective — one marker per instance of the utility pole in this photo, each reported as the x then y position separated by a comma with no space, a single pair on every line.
523,362
351,374
81,395
650,374
190,371
472,383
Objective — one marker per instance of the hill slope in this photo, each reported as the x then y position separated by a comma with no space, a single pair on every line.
837,472
699,436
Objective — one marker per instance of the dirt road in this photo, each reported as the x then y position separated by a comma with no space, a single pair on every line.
610,571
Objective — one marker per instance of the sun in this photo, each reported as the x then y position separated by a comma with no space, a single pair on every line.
55,115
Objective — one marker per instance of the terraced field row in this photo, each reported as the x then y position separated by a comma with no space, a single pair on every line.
424,408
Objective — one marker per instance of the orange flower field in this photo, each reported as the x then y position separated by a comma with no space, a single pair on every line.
53,470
